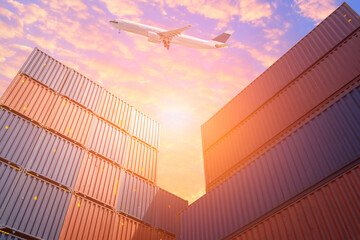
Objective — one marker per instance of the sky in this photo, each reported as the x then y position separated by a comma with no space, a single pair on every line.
180,88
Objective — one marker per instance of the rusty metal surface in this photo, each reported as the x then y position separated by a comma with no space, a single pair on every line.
308,50
317,149
334,72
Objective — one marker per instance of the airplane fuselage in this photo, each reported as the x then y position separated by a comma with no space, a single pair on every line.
152,34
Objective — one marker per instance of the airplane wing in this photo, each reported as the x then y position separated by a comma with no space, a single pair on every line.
172,33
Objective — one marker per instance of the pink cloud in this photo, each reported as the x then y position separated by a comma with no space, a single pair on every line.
123,8
265,59
11,30
316,10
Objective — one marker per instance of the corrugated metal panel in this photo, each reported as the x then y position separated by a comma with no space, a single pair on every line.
70,120
160,235
56,158
82,90
35,207
17,137
145,129
114,110
320,147
312,47
136,198
7,178
29,98
108,141
127,229
7,236
330,212
336,70
99,179
167,206
86,220
45,69
142,160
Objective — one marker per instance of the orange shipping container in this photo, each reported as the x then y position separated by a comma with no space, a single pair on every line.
142,160
86,220
126,228
29,98
70,120
98,179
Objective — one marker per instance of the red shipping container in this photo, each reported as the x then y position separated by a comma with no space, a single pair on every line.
329,212
70,120
98,179
297,100
29,98
306,52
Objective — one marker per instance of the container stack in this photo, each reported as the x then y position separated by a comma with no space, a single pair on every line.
282,158
76,161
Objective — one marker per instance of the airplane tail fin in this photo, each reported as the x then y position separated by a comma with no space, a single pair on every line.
222,38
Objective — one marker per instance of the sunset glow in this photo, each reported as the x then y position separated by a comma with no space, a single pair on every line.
180,88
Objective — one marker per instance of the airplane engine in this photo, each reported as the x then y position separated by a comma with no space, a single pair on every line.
154,37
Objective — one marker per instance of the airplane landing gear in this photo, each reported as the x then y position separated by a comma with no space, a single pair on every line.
166,44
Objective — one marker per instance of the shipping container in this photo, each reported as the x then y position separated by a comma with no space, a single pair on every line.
136,198
29,98
320,148
114,110
56,158
305,53
108,141
8,175
70,120
125,228
99,180
298,99
45,70
17,138
86,220
35,207
141,160
82,90
7,236
145,129
329,212
167,207
160,235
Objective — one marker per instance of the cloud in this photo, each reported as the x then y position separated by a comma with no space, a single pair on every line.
265,59
42,42
4,12
5,53
29,13
123,8
11,30
316,10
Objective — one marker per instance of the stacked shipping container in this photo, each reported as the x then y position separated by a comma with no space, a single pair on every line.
271,152
77,161
323,62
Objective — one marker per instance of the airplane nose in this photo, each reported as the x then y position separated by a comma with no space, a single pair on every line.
113,21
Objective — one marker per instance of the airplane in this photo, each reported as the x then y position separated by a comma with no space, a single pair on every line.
157,35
